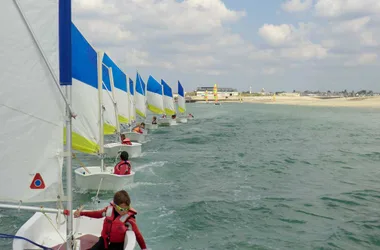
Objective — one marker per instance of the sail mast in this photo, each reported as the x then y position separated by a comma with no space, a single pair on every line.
100,98
65,75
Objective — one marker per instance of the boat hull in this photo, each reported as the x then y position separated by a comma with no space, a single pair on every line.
167,122
151,126
182,119
39,229
112,150
110,182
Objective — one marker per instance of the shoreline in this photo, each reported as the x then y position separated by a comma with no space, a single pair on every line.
354,102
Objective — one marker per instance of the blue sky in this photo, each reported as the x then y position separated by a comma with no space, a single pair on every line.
272,44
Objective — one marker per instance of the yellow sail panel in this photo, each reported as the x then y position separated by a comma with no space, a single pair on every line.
123,119
155,110
170,111
81,143
109,129
139,113
215,92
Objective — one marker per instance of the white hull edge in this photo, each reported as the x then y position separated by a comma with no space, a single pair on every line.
167,122
110,182
151,126
135,137
40,230
182,120
112,149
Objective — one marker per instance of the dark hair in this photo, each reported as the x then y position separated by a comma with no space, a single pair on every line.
124,156
142,124
121,197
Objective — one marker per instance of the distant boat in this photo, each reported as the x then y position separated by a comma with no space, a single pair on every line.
181,104
216,102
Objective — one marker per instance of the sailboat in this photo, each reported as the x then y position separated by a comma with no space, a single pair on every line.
113,149
89,91
216,102
167,98
35,104
206,96
140,109
181,104
154,99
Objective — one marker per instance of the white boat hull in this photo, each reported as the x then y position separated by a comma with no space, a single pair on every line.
40,230
135,137
112,149
166,122
182,119
110,182
151,126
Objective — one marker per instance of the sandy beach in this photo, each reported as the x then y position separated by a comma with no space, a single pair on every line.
359,102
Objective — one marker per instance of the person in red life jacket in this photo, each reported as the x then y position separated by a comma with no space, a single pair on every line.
119,217
190,115
139,128
124,166
163,116
125,140
154,121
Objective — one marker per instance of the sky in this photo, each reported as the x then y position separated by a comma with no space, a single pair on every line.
278,45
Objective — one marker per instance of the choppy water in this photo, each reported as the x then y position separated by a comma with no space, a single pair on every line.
251,176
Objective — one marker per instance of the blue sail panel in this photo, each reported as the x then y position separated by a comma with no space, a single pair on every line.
181,92
65,68
140,85
154,86
131,86
119,78
84,59
167,89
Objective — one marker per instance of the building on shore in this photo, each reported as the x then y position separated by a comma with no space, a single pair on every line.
222,92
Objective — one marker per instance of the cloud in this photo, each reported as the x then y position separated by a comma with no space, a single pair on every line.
199,39
354,25
292,43
297,5
276,35
338,8
187,35
362,59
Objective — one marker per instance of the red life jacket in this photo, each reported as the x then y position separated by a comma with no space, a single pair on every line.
126,141
114,229
122,168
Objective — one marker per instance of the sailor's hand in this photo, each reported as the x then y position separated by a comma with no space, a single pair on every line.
77,212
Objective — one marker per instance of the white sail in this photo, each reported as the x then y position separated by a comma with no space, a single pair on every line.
110,123
154,96
168,99
31,108
119,90
84,95
131,96
140,97
181,99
